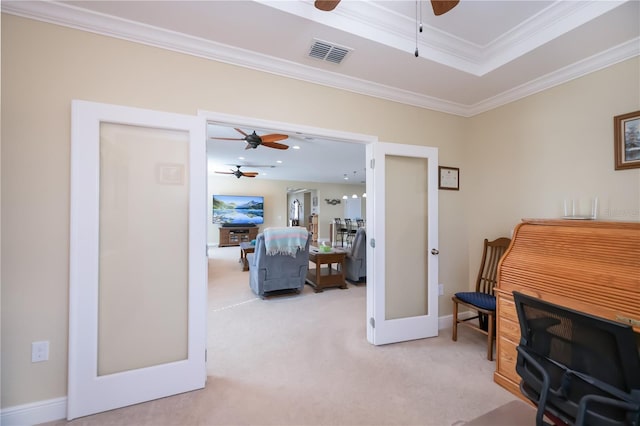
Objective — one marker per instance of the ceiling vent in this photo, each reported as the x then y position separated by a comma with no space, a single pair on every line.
326,51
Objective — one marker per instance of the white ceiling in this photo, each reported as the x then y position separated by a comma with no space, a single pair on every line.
480,55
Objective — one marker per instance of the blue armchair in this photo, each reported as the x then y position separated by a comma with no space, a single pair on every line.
355,263
278,272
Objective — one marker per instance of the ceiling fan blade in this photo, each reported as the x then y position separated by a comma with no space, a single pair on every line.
225,173
240,131
250,174
326,5
253,166
226,139
273,137
275,145
443,6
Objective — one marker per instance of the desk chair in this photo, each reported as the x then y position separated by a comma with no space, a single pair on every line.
482,300
578,369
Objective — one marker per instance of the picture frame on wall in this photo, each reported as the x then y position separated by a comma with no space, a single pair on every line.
449,178
626,140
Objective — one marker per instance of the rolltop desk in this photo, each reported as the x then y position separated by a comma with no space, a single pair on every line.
588,265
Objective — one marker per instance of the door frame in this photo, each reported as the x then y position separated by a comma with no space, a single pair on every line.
368,140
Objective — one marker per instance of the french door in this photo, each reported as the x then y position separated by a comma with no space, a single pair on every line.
138,264
402,228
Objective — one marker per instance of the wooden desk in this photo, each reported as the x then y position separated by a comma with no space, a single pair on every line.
587,265
320,278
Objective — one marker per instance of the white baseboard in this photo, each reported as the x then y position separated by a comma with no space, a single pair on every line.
447,320
34,413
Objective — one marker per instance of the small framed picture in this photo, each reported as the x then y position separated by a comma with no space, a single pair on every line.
449,178
626,140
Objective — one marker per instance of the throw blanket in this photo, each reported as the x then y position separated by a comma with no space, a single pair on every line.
285,240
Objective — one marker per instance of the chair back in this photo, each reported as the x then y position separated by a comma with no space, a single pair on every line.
580,368
278,272
491,255
358,248
356,260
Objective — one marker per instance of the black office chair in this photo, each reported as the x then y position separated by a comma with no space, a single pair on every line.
577,368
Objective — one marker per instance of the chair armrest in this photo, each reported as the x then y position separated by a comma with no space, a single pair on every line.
546,381
585,400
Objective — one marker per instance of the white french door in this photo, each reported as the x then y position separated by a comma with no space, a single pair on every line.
402,224
138,263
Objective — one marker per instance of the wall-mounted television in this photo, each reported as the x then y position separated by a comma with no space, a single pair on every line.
238,210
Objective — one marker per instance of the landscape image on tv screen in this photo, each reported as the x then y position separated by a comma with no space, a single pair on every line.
238,209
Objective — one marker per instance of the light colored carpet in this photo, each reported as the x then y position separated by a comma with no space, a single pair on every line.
304,360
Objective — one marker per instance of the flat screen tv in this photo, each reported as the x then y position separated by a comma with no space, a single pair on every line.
238,210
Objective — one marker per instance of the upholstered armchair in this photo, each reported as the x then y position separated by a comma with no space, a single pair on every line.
278,271
355,263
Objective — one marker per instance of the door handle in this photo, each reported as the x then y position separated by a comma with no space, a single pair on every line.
434,252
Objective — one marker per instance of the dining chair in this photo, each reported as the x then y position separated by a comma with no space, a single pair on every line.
350,231
482,301
340,230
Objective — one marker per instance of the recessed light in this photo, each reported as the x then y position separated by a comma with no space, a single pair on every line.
240,158
295,147
279,161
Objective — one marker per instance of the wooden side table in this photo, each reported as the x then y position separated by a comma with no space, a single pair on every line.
245,248
321,278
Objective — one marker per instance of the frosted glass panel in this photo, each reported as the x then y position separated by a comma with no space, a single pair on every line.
406,277
143,259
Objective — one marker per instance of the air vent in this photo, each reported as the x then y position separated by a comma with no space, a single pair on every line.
326,51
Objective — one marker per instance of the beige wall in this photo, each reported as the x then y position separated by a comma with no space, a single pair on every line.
524,159
509,160
44,67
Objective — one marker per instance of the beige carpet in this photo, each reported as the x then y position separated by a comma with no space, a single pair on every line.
305,360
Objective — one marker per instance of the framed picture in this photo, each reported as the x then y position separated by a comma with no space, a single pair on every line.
449,178
626,140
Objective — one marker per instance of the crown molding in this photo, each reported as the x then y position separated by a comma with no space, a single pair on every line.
552,22
620,53
375,22
82,19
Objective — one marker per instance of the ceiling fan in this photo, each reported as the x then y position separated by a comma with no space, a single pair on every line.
237,173
253,140
439,6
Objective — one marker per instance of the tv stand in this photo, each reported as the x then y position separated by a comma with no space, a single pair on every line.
234,235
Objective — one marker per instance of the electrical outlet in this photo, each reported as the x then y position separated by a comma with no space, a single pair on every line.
40,351
440,289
